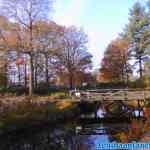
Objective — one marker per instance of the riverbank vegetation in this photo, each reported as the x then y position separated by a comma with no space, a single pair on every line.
19,115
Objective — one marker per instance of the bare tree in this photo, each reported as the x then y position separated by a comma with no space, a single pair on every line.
26,13
47,37
73,57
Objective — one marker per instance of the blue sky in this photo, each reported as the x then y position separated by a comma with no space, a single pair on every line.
102,20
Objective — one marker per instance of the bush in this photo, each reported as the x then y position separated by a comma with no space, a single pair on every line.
60,95
17,89
139,83
108,85
3,89
44,89
147,103
3,79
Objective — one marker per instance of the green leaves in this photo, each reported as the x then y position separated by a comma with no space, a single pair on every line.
138,33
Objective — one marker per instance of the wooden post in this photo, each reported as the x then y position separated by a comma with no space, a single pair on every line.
139,107
125,95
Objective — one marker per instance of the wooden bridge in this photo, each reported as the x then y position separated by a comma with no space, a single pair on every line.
111,95
108,98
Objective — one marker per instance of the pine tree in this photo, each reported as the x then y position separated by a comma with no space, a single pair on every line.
136,31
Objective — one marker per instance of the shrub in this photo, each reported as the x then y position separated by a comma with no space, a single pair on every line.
3,89
44,89
3,79
139,83
17,89
60,95
41,89
107,85
147,103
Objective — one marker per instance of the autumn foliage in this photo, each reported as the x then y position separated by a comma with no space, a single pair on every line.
37,50
114,63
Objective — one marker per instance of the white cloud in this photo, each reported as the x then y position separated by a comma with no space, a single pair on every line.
98,42
70,13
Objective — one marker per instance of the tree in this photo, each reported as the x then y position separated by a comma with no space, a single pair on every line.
26,13
73,57
114,66
7,40
47,36
136,31
3,70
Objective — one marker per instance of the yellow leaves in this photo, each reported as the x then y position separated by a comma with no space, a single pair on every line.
147,112
42,27
133,103
136,129
123,137
146,127
63,104
121,43
11,40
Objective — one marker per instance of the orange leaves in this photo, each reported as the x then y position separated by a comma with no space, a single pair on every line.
114,62
136,129
11,40
147,112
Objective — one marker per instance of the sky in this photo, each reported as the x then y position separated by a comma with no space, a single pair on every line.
102,20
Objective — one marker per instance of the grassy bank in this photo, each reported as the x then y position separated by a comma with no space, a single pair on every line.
26,112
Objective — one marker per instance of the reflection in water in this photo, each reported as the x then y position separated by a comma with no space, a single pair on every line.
53,138
78,136
100,113
135,131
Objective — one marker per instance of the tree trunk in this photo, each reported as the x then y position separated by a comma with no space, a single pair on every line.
35,77
140,66
25,76
31,78
19,74
122,75
46,69
71,80
5,76
31,81
127,82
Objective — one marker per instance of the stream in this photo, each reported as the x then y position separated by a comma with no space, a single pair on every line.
77,135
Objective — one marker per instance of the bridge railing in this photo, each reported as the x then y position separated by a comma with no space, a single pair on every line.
113,94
